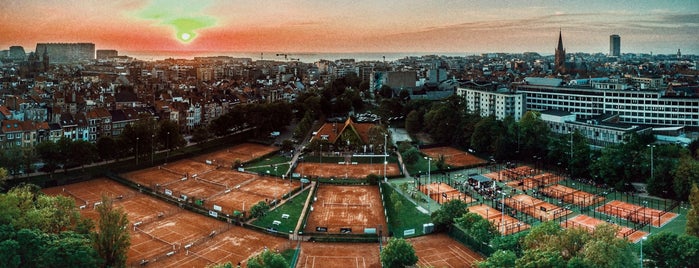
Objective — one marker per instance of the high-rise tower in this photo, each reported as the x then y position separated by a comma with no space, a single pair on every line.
614,45
560,60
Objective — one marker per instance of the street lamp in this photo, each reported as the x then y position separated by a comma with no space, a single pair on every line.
385,154
152,148
429,180
651,160
502,209
570,162
321,153
137,151
167,154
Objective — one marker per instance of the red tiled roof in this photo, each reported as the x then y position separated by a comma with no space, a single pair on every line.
5,111
334,130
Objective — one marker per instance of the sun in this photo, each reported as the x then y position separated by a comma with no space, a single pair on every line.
186,37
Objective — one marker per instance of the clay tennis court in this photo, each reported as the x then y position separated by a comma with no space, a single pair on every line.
636,213
150,177
161,228
346,170
339,255
241,153
439,250
536,208
89,192
442,193
571,195
524,184
235,245
452,156
511,225
354,207
516,173
590,223
247,193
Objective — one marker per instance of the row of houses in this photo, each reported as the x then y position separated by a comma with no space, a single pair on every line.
88,126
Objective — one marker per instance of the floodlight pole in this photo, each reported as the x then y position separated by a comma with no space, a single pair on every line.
429,181
651,161
385,154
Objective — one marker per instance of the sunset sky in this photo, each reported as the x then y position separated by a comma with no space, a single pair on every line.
452,26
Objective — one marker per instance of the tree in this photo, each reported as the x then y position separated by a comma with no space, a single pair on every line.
477,227
693,213
112,241
534,133
83,152
411,155
667,249
268,259
71,250
259,209
511,243
3,178
444,217
48,152
398,253
685,175
606,250
10,254
501,258
106,148
413,122
541,258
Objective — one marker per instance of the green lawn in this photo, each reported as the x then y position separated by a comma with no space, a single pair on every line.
420,167
280,170
267,165
293,207
271,160
405,218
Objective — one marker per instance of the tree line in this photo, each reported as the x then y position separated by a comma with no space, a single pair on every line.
37,230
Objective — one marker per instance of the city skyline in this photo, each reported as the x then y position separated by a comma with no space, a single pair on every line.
659,27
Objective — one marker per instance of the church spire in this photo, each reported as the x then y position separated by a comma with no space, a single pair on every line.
560,55
560,41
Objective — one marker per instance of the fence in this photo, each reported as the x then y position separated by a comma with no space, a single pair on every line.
481,247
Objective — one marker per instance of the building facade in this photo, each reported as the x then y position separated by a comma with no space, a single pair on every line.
634,106
499,103
614,45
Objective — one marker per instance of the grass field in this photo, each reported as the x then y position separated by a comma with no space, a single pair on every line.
292,207
271,160
408,217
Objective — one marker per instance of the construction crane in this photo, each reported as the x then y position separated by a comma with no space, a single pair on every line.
285,56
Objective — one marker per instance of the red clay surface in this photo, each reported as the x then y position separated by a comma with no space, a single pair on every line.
516,173
439,250
356,207
347,170
536,181
151,177
242,153
442,192
572,196
452,156
162,228
511,225
590,223
251,191
536,208
339,255
636,213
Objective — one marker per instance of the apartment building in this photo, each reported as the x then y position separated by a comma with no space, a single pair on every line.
655,106
487,100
